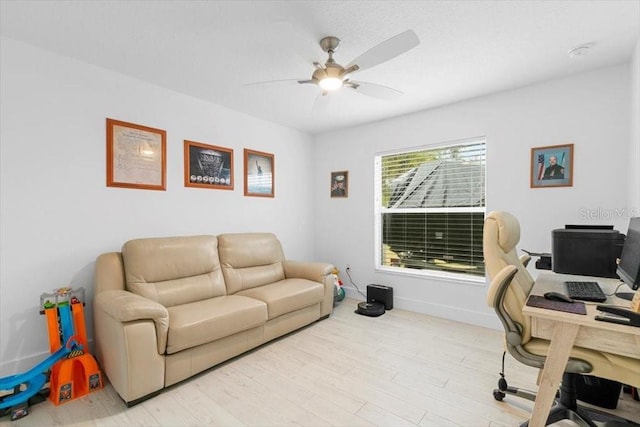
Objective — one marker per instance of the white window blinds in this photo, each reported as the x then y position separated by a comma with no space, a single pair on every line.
430,208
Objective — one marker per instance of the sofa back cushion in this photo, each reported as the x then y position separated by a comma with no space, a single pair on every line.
173,270
249,260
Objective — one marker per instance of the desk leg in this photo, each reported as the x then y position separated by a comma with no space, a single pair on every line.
564,335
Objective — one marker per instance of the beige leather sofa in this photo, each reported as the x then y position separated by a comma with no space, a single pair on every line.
168,308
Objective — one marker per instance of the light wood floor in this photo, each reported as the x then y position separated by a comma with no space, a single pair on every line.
400,369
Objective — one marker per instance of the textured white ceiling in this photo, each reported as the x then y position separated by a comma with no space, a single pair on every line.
213,49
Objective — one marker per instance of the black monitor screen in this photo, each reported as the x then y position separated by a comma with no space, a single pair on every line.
629,267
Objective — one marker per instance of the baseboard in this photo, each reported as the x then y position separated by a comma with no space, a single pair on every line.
487,320
17,366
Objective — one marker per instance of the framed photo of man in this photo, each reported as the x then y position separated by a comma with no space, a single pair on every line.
552,166
340,184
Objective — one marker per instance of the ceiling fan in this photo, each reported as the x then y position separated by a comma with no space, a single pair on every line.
332,76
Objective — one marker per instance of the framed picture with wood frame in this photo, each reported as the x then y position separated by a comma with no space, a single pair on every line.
208,166
552,166
136,156
340,184
259,174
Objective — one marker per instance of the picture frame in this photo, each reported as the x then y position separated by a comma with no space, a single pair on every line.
552,166
208,166
136,156
340,184
259,174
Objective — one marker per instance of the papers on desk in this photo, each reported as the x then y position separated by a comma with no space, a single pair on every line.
568,307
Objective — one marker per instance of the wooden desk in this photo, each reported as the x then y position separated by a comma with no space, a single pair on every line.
565,330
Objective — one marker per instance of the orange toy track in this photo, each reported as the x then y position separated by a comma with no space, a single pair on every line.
78,374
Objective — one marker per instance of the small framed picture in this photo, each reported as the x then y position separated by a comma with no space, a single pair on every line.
552,166
259,174
340,184
208,166
136,156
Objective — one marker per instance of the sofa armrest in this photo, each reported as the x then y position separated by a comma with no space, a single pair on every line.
124,306
317,272
130,334
314,271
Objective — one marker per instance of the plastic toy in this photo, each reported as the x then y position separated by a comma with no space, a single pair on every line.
338,291
74,372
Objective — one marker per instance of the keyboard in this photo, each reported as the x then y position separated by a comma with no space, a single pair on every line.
585,291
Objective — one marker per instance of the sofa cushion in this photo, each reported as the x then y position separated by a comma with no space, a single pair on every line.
249,260
204,321
287,295
173,270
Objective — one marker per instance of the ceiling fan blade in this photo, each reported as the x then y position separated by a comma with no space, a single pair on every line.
389,49
374,90
284,81
321,103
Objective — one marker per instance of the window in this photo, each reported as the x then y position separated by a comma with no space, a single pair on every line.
430,208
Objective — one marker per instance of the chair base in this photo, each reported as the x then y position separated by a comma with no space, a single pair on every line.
584,417
580,415
560,412
499,394
565,405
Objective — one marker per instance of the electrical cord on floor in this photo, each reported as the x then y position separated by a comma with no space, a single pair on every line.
356,286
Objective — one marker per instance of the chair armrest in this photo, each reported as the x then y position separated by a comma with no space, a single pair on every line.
524,259
125,306
496,299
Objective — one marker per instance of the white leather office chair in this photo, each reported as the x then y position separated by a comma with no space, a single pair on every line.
510,286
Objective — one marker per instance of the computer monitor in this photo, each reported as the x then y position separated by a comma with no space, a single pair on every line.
629,267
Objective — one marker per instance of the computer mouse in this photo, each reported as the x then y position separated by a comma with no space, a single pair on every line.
557,296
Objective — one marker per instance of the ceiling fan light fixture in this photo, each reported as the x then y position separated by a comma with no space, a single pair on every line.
331,76
330,83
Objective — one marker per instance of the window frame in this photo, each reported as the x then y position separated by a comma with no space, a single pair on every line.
379,212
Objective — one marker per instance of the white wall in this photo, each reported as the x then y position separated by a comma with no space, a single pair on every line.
634,140
590,110
56,213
